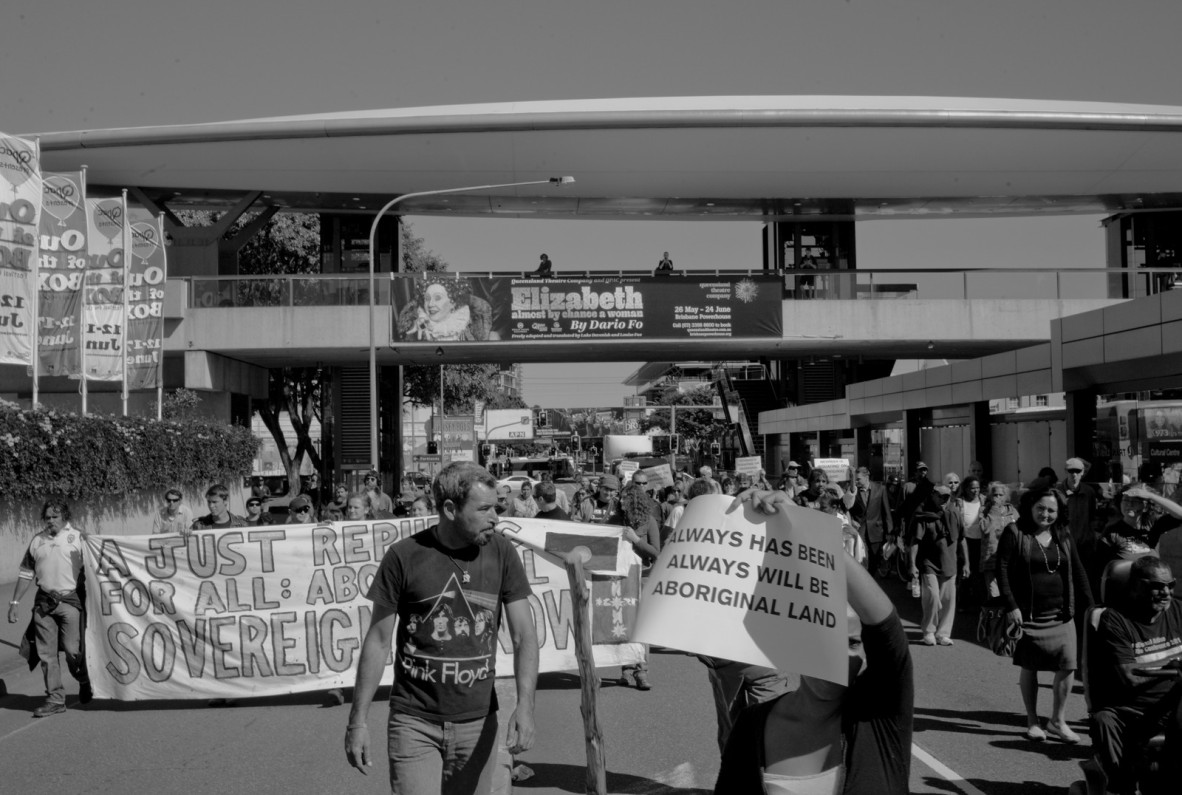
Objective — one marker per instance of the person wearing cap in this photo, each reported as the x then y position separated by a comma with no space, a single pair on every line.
301,511
792,483
255,514
174,517
378,499
913,495
548,507
217,499
938,552
602,505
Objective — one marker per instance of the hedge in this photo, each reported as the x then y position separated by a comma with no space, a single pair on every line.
46,453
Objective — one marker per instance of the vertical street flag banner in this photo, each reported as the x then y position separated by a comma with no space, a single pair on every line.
20,208
752,587
282,608
62,271
145,300
102,303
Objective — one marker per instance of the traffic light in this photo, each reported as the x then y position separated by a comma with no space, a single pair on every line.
715,449
432,448
674,443
486,450
543,419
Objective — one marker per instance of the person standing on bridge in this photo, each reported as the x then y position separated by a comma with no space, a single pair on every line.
825,737
442,732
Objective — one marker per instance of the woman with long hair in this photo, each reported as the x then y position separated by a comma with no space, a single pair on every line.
1041,578
644,533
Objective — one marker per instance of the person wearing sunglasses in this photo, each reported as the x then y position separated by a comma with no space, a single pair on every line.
301,511
1144,517
1142,631
175,516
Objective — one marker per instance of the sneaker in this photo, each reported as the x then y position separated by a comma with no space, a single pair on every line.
642,682
1062,732
943,641
929,640
49,708
625,680
85,693
1035,733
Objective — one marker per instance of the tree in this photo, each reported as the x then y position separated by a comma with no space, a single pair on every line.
694,425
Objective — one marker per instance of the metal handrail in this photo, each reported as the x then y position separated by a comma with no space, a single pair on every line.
341,289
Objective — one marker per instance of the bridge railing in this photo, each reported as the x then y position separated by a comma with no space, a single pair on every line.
800,285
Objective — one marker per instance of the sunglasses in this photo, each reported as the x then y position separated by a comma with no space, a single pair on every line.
1167,587
253,504
303,510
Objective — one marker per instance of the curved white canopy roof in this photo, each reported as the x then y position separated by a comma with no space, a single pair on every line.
668,157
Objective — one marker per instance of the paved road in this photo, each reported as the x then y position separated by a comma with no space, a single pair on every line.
968,735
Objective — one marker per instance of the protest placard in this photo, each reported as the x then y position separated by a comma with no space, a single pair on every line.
626,470
749,465
838,469
282,608
752,587
660,476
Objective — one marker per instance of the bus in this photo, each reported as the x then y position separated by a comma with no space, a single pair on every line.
560,467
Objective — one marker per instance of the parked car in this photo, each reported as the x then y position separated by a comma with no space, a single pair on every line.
514,483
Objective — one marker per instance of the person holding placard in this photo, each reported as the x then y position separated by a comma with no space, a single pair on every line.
825,737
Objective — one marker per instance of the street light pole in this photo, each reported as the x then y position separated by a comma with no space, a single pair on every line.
373,235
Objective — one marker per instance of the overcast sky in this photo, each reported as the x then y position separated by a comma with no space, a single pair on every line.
69,65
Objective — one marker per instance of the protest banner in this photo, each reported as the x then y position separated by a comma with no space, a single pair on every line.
62,269
20,209
752,587
838,469
102,297
626,469
282,609
146,273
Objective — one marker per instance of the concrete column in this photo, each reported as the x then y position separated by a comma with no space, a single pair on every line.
862,441
912,419
981,437
1081,424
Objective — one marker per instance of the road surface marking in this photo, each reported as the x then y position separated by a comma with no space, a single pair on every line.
940,768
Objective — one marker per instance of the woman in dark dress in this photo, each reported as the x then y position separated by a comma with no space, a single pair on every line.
1043,584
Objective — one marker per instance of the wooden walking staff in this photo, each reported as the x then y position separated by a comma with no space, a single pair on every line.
588,678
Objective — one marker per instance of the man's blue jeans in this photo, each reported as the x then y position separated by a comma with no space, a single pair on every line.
433,757
60,629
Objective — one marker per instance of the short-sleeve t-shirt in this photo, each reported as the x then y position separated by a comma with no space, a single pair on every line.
446,643
1125,642
53,562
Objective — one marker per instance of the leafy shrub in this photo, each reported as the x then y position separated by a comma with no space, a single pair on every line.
79,457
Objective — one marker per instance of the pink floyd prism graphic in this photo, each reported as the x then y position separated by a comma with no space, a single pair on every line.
451,638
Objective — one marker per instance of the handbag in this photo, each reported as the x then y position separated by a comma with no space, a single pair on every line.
996,631
889,550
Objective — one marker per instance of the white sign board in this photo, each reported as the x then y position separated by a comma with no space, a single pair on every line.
749,465
838,469
507,425
757,588
660,476
626,468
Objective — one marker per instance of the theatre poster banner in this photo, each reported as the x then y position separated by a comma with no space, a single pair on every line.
102,298
20,208
62,270
281,608
146,274
439,307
